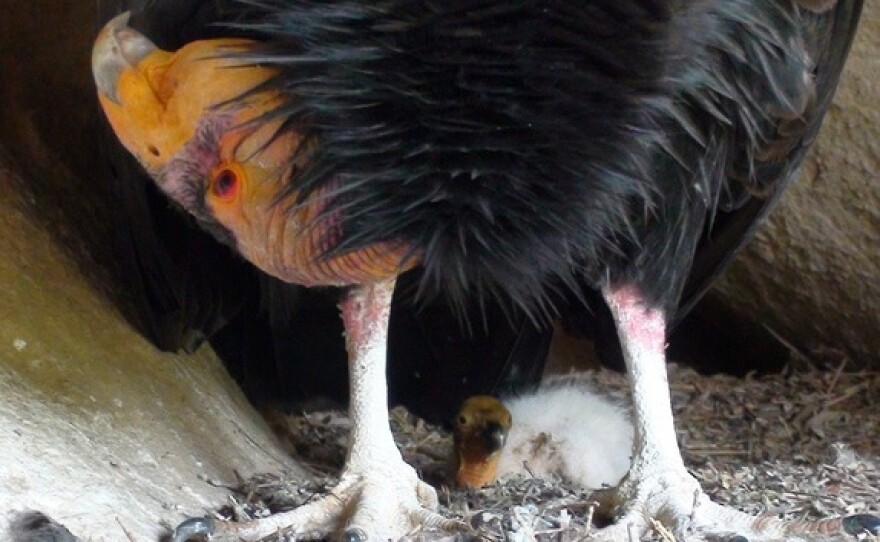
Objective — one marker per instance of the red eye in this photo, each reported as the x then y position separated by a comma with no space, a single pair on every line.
225,185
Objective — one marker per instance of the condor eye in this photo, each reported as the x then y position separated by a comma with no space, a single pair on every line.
225,184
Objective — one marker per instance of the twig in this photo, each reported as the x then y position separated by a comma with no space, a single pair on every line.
124,530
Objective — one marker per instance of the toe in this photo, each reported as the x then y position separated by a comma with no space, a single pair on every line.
192,528
434,521
427,496
860,524
726,537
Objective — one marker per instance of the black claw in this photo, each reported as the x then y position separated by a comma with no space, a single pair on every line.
201,527
354,534
862,523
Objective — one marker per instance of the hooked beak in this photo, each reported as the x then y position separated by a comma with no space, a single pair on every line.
155,99
117,48
494,436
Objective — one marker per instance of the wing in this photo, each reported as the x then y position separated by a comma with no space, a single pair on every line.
785,98
751,91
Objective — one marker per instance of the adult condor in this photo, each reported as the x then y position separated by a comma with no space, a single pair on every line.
519,153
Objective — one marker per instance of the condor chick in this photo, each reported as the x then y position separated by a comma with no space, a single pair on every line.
565,429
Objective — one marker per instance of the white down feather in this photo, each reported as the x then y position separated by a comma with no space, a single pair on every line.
568,428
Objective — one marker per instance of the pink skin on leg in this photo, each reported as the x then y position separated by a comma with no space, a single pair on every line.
365,311
642,332
389,497
641,324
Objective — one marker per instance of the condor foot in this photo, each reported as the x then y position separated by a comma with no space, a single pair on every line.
381,502
672,499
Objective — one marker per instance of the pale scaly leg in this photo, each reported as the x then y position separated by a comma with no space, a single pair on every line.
379,496
658,485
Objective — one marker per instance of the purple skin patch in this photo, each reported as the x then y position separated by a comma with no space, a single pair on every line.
184,178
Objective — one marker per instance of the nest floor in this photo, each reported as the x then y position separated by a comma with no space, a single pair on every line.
803,444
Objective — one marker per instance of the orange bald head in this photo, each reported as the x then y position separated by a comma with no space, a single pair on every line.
200,120
479,436
156,100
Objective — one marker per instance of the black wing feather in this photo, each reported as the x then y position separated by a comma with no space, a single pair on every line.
787,67
752,90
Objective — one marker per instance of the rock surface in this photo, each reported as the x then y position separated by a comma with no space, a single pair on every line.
813,272
98,429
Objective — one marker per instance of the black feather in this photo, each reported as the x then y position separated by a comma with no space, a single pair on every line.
508,143
525,147
773,73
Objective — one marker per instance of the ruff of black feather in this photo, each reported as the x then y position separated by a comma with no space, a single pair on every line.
507,142
522,147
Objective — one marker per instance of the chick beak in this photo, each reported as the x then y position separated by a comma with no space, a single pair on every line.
494,436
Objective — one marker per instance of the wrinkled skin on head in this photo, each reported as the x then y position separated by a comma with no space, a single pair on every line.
198,122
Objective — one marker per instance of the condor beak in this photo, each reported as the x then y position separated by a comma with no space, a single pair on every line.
156,100
117,48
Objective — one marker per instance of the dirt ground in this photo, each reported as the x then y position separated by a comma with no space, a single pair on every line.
799,445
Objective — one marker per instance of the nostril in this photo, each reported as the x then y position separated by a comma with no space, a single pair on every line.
153,150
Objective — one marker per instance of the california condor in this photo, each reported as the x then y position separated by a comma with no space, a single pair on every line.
613,152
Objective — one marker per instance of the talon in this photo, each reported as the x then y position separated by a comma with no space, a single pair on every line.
354,534
859,524
203,527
